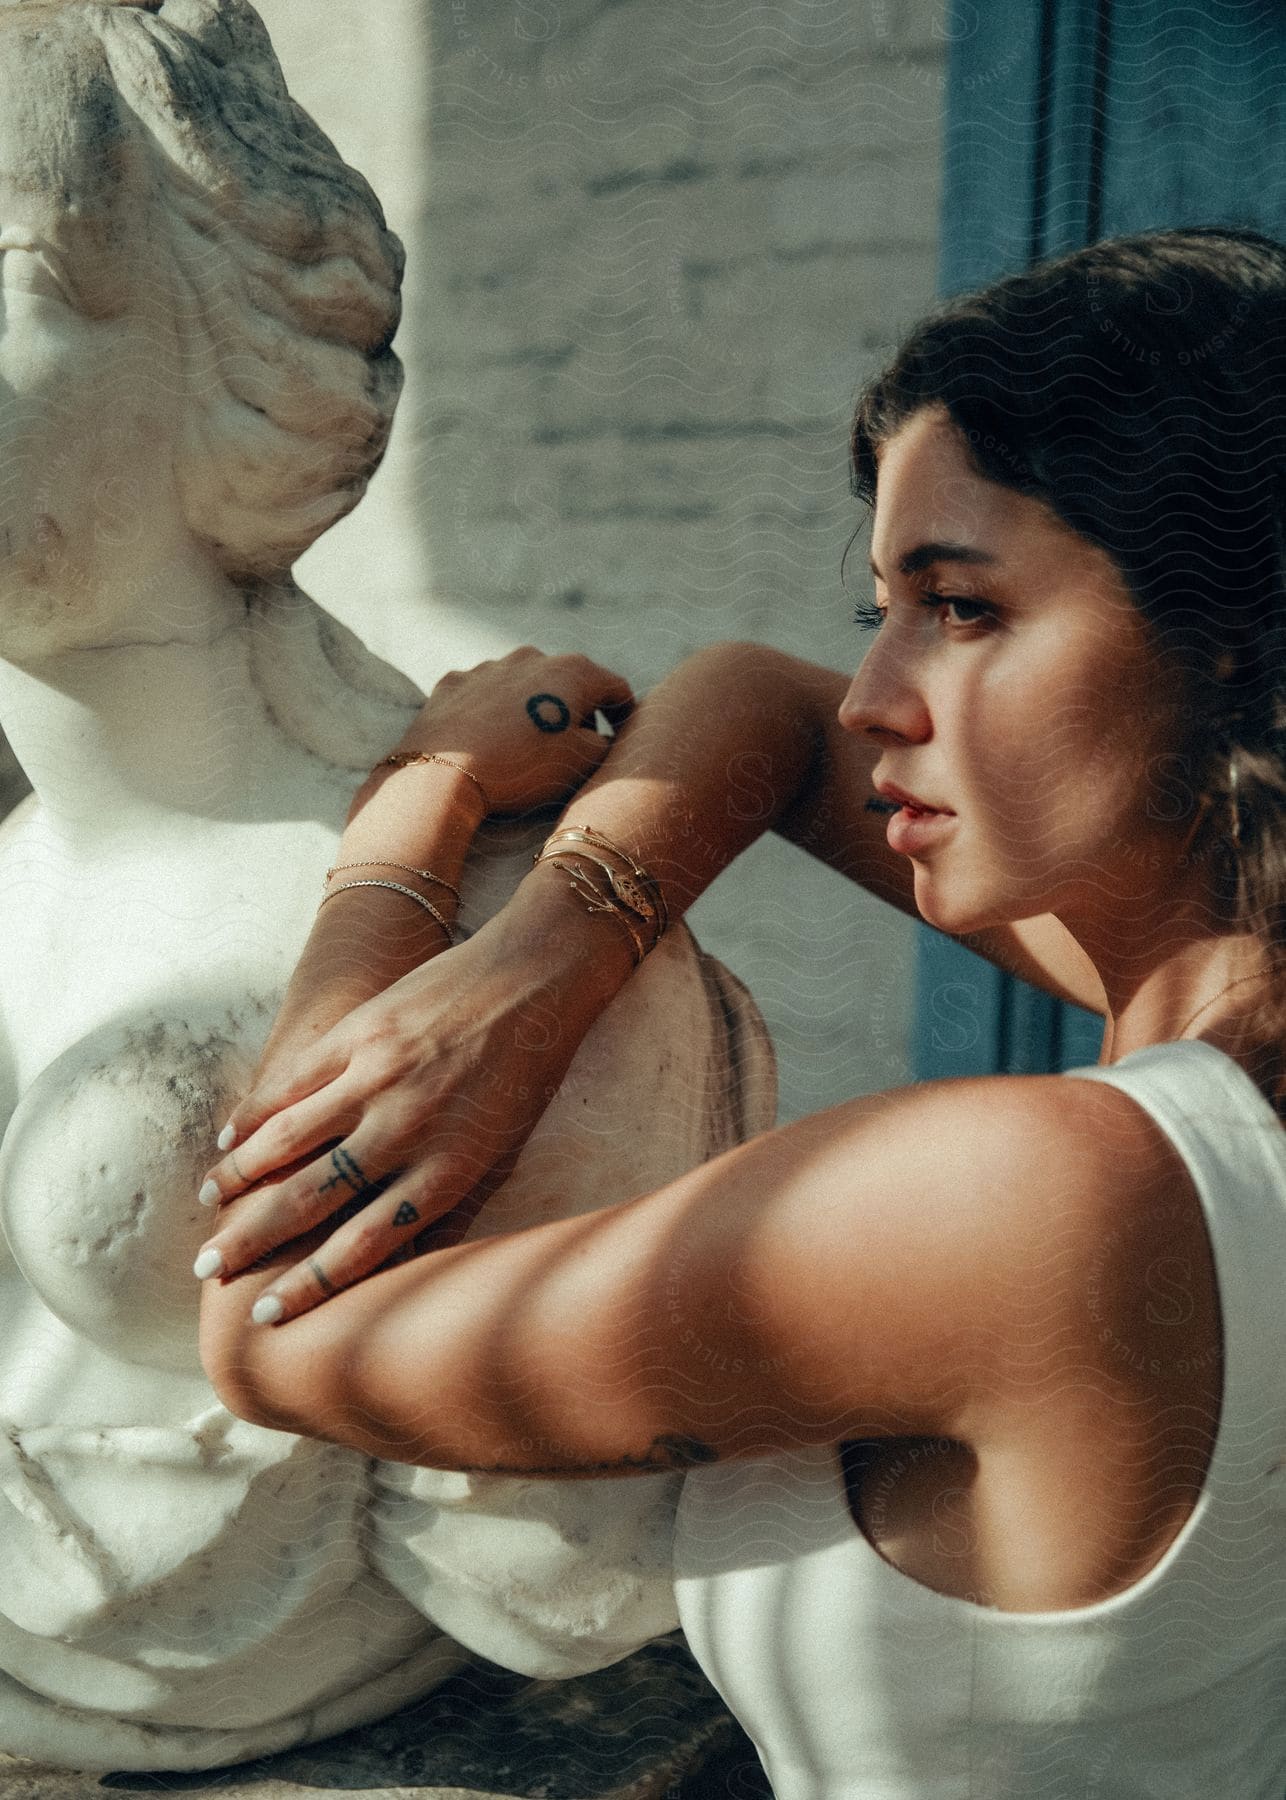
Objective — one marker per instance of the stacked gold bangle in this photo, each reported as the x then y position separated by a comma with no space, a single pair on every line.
632,896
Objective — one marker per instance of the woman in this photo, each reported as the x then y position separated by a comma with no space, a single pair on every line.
987,1371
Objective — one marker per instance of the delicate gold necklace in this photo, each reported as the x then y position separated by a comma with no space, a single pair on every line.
1207,1004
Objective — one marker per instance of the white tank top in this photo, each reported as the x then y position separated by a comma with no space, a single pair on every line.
857,1682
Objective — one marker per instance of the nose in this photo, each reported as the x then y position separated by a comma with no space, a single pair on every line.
884,701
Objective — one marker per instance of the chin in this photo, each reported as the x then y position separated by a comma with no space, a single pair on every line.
951,908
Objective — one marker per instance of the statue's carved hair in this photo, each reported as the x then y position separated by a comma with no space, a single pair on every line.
288,279
1138,387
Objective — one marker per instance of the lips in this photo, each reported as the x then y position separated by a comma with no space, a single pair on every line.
901,798
914,826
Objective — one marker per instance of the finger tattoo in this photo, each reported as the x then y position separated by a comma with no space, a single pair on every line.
347,1170
548,713
322,1279
406,1214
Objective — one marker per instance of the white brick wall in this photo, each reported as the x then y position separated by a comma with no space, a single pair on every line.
656,245
666,241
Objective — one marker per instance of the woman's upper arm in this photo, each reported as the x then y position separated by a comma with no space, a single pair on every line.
865,1272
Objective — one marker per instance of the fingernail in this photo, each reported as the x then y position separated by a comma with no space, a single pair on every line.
210,1262
209,1195
266,1310
226,1138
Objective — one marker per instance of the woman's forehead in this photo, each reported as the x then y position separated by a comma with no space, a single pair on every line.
930,494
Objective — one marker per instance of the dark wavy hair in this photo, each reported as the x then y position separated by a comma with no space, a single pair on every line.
1138,387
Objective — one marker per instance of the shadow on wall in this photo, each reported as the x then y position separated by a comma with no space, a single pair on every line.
14,785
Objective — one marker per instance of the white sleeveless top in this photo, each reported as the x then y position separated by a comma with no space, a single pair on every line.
857,1682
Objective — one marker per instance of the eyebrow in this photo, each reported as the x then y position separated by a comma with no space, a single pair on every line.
938,552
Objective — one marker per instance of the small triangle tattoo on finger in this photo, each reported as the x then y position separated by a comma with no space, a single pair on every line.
406,1214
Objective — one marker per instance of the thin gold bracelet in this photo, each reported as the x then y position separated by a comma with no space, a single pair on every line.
397,888
643,894
400,759
384,862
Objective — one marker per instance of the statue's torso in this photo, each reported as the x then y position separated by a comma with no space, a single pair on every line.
137,987
136,991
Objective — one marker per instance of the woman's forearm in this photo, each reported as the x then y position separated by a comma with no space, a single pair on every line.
366,938
718,753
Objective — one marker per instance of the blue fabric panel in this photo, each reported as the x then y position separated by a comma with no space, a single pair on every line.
1066,121
960,1002
1024,152
990,134
1196,102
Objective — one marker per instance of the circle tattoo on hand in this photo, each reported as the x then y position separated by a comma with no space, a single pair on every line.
538,711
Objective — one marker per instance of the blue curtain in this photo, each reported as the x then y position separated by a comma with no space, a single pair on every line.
1065,122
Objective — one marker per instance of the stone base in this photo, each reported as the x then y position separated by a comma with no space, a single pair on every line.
649,1728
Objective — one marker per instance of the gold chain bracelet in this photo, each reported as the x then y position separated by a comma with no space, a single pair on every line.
401,759
395,887
583,887
385,862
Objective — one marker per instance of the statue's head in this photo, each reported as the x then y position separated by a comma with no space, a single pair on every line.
162,130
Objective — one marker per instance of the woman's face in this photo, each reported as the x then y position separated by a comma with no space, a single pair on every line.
1034,714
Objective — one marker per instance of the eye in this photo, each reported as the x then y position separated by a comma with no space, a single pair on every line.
968,612
867,616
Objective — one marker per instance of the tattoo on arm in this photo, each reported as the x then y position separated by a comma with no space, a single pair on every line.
666,1452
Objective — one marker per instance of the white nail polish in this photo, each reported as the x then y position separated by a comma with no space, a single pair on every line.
226,1138
209,1195
210,1262
266,1310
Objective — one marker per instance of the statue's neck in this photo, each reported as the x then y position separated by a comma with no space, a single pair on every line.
251,719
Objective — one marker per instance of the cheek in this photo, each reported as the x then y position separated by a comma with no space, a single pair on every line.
1051,772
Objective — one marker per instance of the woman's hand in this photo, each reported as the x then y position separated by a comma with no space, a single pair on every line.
413,1106
523,727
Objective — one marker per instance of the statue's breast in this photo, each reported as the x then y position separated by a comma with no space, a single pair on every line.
99,1170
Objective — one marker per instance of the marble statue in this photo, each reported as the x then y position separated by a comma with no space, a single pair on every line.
196,379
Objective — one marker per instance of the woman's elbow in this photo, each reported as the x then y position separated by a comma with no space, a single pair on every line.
233,1356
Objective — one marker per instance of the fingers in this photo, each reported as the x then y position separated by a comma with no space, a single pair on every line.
283,1086
385,1228
273,1128
341,1184
428,1208
599,689
585,685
